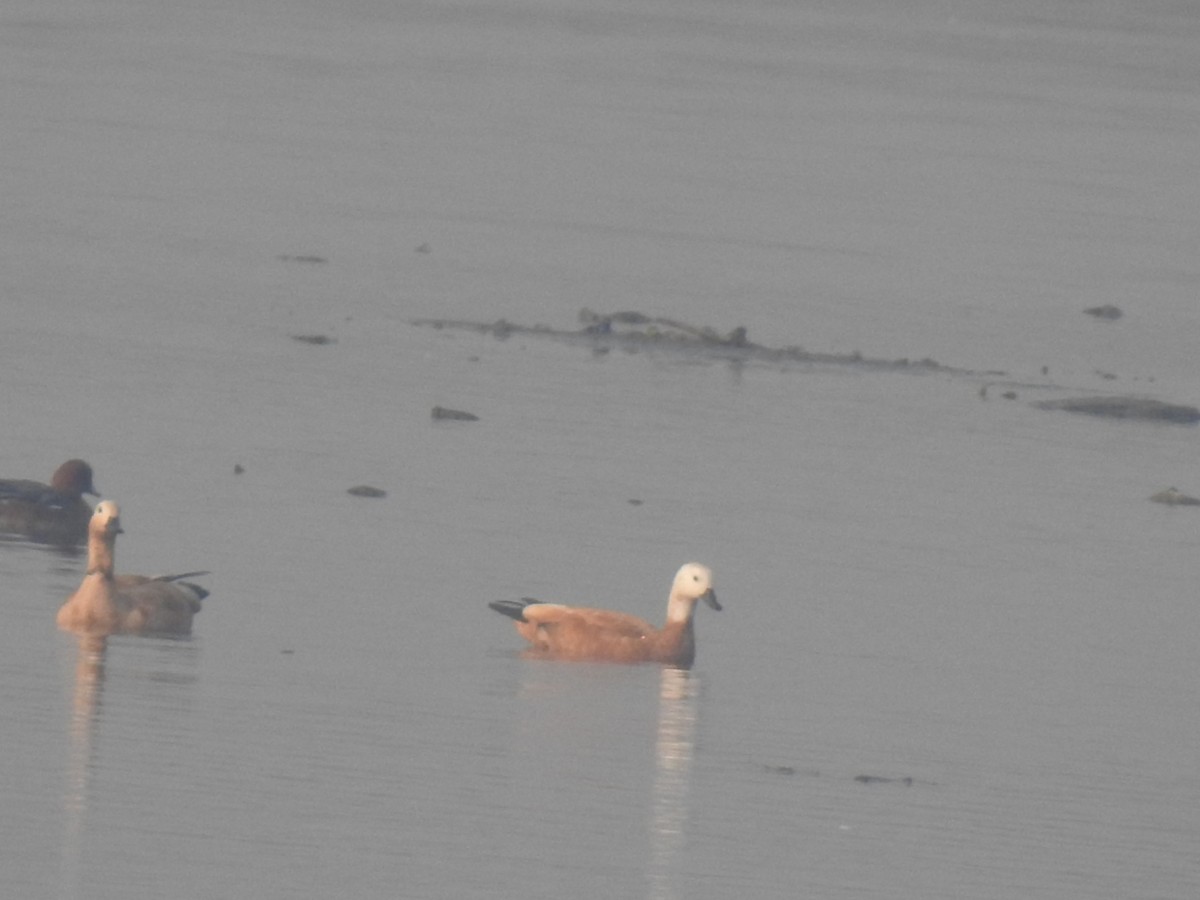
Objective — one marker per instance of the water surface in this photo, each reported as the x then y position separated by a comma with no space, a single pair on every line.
968,601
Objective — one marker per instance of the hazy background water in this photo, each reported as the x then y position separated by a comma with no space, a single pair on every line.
971,597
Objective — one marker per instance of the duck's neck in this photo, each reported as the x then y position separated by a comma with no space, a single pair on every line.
677,644
677,640
100,555
680,611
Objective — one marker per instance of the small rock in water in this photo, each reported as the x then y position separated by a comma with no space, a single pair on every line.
364,490
457,415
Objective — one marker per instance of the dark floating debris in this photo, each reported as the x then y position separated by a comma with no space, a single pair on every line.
1174,497
317,340
303,258
634,501
597,323
907,780
365,490
632,331
423,248
238,469
455,415
1139,408
1107,312
788,771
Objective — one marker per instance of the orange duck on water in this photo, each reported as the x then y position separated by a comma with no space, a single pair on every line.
601,635
106,603
53,513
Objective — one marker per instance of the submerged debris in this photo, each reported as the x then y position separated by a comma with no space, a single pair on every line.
455,415
1126,408
907,780
365,490
632,331
1174,497
596,323
317,340
1007,395
1107,312
305,258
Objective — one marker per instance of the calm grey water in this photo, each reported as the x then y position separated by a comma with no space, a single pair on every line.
969,602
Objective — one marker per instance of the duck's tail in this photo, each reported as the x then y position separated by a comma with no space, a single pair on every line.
196,590
514,609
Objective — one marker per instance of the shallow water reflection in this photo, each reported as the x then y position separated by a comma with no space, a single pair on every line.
89,687
675,747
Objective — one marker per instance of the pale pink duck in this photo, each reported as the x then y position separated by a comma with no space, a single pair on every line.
106,603
53,513
600,635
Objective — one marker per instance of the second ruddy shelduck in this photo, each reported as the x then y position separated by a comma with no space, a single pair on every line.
107,603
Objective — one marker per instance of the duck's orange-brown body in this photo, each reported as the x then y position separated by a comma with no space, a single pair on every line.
106,603
53,513
562,632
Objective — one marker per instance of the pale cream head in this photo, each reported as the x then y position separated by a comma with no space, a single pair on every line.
692,582
106,518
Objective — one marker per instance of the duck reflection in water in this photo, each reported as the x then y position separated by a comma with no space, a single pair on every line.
85,709
674,749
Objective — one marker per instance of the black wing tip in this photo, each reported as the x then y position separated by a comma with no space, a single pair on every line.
200,592
514,609
180,576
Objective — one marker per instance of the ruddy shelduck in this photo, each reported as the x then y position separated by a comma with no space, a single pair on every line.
600,635
53,513
106,603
